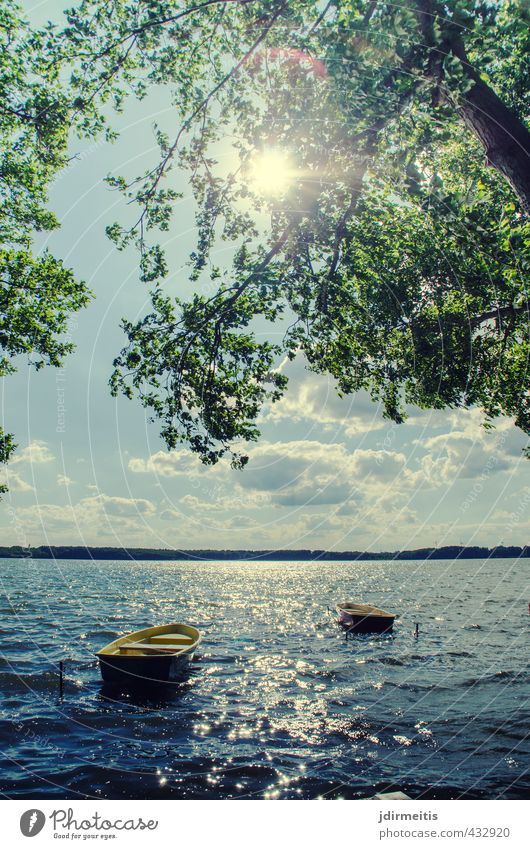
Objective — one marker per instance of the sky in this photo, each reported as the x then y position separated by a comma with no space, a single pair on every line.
327,473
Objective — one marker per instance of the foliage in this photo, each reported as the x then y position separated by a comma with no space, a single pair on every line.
37,294
396,257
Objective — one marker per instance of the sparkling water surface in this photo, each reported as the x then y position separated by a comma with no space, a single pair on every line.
278,704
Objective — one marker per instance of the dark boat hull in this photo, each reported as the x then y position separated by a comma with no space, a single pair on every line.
143,671
366,624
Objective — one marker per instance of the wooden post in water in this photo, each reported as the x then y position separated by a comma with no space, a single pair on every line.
61,679
417,631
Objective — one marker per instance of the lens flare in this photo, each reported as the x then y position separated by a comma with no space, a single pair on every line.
271,173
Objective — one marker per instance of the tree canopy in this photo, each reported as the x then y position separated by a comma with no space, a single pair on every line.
37,293
376,203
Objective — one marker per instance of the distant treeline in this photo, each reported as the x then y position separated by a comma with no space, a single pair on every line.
75,552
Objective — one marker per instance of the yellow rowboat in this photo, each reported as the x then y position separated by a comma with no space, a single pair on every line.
151,656
364,618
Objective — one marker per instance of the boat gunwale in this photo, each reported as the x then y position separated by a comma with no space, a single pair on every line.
112,649
363,611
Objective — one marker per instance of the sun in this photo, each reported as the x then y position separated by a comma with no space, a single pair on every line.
271,173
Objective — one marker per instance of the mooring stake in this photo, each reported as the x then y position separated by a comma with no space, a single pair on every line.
61,679
417,632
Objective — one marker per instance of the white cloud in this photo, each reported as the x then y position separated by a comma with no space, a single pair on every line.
311,472
14,482
325,494
286,474
314,398
167,464
222,501
48,515
171,516
64,480
36,452
89,513
472,451
116,506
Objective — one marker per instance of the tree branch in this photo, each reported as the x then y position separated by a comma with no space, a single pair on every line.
160,170
161,22
508,311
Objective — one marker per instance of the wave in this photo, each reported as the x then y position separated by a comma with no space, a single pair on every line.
48,681
508,675
413,687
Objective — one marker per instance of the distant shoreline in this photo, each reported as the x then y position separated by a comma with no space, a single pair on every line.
448,552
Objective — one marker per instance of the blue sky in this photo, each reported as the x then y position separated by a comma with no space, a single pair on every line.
327,473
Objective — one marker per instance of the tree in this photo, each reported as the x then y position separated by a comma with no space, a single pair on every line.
394,250
37,293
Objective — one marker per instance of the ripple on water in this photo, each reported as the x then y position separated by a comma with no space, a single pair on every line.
278,704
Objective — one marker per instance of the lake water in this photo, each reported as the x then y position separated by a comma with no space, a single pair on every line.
279,704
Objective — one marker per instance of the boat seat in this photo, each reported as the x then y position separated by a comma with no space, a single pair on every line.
172,639
152,648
